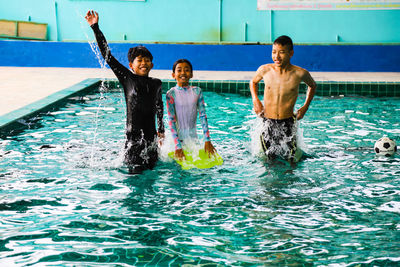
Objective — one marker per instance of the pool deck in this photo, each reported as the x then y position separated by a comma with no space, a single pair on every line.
21,86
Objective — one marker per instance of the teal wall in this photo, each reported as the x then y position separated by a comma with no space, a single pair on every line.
236,21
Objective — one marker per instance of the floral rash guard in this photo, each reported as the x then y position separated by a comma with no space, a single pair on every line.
183,103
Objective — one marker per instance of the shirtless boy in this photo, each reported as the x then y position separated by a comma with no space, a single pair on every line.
282,80
143,101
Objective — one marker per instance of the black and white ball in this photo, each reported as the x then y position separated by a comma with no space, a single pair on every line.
385,147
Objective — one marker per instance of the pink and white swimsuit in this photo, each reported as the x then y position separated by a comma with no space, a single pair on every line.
183,103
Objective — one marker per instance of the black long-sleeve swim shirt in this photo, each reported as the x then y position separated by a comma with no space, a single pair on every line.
143,95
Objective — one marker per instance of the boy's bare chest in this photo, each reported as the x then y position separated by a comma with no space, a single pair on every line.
281,83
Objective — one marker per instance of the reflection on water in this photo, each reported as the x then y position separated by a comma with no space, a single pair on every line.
66,198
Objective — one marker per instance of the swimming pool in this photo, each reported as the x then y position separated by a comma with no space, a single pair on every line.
66,200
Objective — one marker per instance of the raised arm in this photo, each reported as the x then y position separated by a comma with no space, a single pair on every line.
92,17
312,86
257,105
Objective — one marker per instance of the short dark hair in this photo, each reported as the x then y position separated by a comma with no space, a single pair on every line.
139,51
182,60
284,40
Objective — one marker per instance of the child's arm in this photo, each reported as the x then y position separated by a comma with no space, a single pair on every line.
202,115
172,124
119,70
208,147
312,86
160,112
258,106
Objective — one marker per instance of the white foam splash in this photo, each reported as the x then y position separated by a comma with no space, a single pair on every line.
256,127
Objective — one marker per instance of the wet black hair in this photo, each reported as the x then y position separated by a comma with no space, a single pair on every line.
139,51
284,40
182,60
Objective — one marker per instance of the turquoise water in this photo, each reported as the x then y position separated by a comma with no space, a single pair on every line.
65,199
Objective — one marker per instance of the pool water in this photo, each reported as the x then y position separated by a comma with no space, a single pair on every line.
66,199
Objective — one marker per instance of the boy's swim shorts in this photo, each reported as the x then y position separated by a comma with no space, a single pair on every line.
278,138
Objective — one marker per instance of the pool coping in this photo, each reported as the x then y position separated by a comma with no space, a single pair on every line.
17,119
13,120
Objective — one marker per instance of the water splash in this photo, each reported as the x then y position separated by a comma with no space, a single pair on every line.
95,152
300,138
167,146
190,144
257,126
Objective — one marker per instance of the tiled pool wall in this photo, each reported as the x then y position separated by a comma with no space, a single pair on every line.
325,88
29,116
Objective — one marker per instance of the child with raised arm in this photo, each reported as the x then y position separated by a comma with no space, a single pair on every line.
282,80
143,101
183,104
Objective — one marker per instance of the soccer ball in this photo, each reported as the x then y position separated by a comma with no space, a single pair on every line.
385,147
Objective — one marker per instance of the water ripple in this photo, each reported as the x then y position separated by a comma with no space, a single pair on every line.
66,198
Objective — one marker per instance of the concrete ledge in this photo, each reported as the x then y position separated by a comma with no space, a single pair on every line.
16,119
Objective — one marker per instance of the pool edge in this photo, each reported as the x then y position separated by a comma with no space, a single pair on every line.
10,120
